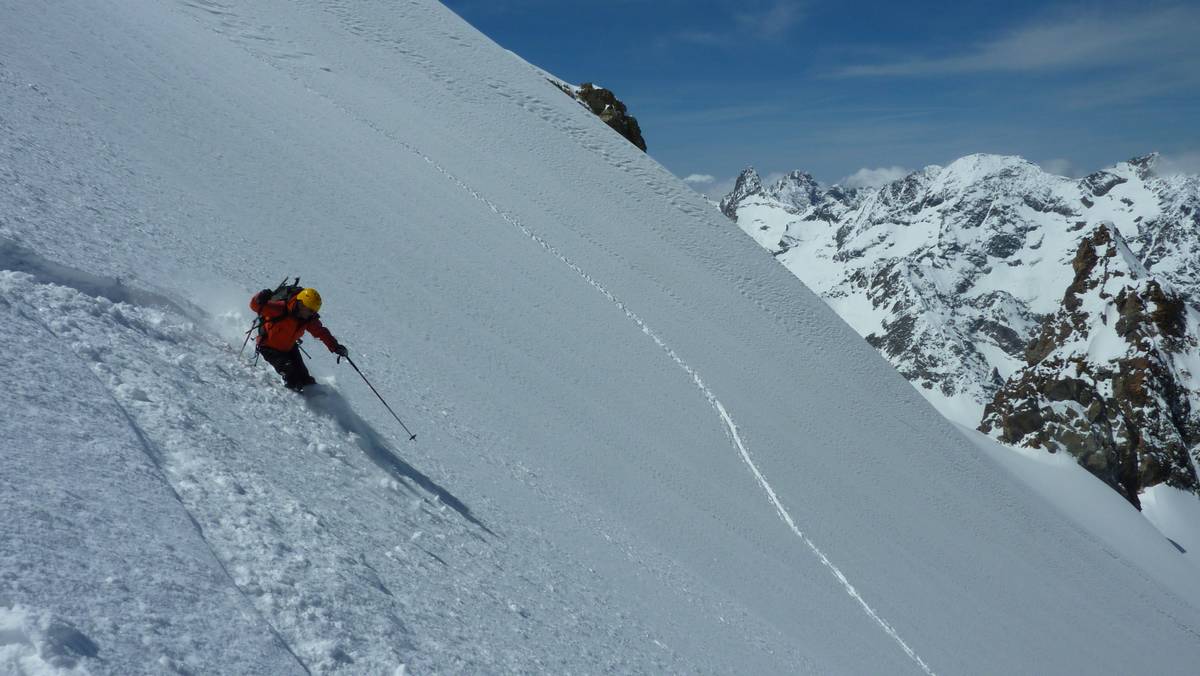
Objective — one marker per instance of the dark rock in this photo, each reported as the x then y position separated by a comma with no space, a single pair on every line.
1003,245
897,336
1127,417
1101,182
605,105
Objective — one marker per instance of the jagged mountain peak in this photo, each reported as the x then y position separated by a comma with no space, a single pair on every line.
1111,377
796,192
1143,165
952,268
795,177
796,188
748,183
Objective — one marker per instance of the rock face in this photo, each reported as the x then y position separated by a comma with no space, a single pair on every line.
950,271
1112,377
605,105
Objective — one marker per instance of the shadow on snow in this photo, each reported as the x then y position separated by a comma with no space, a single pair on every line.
326,400
14,256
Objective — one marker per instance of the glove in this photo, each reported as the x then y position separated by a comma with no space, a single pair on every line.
341,351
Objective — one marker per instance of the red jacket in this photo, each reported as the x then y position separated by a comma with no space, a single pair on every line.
282,328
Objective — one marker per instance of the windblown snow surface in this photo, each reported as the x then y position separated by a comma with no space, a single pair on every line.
615,471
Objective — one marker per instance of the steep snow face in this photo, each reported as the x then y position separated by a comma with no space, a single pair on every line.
642,445
97,554
949,270
215,520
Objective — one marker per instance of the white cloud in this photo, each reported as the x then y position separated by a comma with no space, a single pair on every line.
1069,42
771,22
873,178
763,21
772,178
1059,167
699,178
716,189
1182,163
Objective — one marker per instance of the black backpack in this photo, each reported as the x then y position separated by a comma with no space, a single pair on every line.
284,292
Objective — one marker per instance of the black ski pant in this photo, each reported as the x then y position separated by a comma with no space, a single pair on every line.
290,365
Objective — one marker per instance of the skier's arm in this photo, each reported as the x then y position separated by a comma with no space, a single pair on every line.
318,330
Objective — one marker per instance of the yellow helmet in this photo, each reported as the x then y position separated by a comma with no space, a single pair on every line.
310,299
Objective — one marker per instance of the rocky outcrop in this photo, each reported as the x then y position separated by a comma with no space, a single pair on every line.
1112,377
605,105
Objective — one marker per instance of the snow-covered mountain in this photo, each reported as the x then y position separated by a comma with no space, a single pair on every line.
950,270
1113,377
642,447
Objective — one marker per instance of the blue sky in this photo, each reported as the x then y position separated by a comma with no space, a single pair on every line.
838,88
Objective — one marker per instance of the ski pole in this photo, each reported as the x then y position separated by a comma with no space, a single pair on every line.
412,436
247,340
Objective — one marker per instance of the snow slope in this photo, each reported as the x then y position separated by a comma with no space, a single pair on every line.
615,470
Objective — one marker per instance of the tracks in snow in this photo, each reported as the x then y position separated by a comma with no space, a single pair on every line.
581,135
726,419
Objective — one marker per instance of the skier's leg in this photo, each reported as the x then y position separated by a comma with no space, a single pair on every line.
273,357
299,376
290,365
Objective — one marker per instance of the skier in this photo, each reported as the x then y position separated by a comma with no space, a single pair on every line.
282,321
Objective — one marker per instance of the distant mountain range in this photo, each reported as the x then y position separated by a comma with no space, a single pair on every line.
1063,307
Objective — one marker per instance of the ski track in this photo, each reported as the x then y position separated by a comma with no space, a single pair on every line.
730,425
712,399
310,589
156,457
196,482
